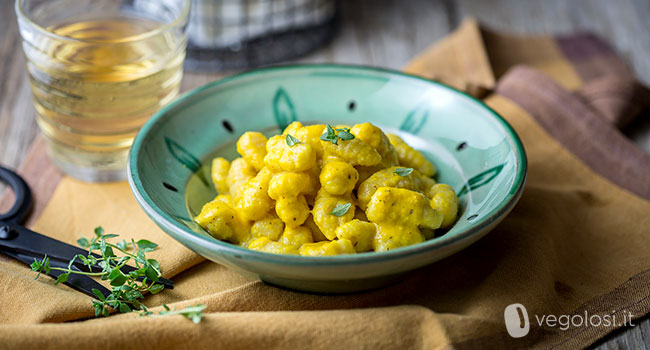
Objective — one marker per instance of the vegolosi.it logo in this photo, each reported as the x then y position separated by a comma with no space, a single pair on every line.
518,323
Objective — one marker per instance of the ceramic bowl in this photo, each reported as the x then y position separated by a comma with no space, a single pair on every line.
473,148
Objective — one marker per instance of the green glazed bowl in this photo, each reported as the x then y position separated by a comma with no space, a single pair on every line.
473,148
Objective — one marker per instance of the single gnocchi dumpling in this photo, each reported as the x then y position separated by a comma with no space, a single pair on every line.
253,200
288,190
338,177
292,210
325,216
270,226
292,129
410,157
219,174
223,222
326,248
389,177
402,207
282,157
360,233
445,201
264,244
290,184
296,236
391,236
354,151
252,147
309,134
376,138
239,174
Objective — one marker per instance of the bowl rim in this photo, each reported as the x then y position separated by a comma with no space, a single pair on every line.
168,224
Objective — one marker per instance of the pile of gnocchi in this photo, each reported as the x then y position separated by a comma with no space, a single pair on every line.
319,190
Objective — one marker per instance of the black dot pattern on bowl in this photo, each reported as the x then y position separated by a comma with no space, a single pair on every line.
461,146
170,187
472,217
352,105
226,124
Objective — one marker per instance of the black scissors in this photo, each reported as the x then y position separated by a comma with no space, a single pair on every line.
26,245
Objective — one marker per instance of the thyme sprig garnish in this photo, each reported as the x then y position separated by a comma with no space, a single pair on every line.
403,171
127,291
334,135
341,209
292,140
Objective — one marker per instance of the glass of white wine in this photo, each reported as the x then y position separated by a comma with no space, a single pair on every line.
98,70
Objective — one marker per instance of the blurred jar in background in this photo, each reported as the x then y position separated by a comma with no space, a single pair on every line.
235,34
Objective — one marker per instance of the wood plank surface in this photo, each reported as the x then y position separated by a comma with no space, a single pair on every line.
383,33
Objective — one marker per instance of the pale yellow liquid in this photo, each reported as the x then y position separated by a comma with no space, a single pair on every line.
92,96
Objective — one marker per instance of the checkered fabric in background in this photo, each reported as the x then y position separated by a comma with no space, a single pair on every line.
235,34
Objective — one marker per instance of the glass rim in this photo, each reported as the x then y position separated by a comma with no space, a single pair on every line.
182,16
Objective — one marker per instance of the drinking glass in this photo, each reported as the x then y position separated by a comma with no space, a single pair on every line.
98,70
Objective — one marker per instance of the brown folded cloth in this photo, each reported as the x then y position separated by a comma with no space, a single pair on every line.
577,241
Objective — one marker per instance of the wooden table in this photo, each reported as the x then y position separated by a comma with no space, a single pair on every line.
388,33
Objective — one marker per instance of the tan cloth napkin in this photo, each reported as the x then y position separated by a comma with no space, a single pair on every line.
577,241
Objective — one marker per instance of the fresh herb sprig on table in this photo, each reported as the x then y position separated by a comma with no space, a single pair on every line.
194,313
127,292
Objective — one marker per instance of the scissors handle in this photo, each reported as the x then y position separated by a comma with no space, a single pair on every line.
25,245
23,195
30,243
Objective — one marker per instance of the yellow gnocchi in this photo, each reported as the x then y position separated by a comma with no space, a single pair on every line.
403,207
287,184
219,172
410,157
376,139
325,248
360,233
354,151
338,177
238,174
252,147
281,156
223,222
293,211
253,201
264,244
324,215
444,200
309,134
321,190
270,226
387,177
296,236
